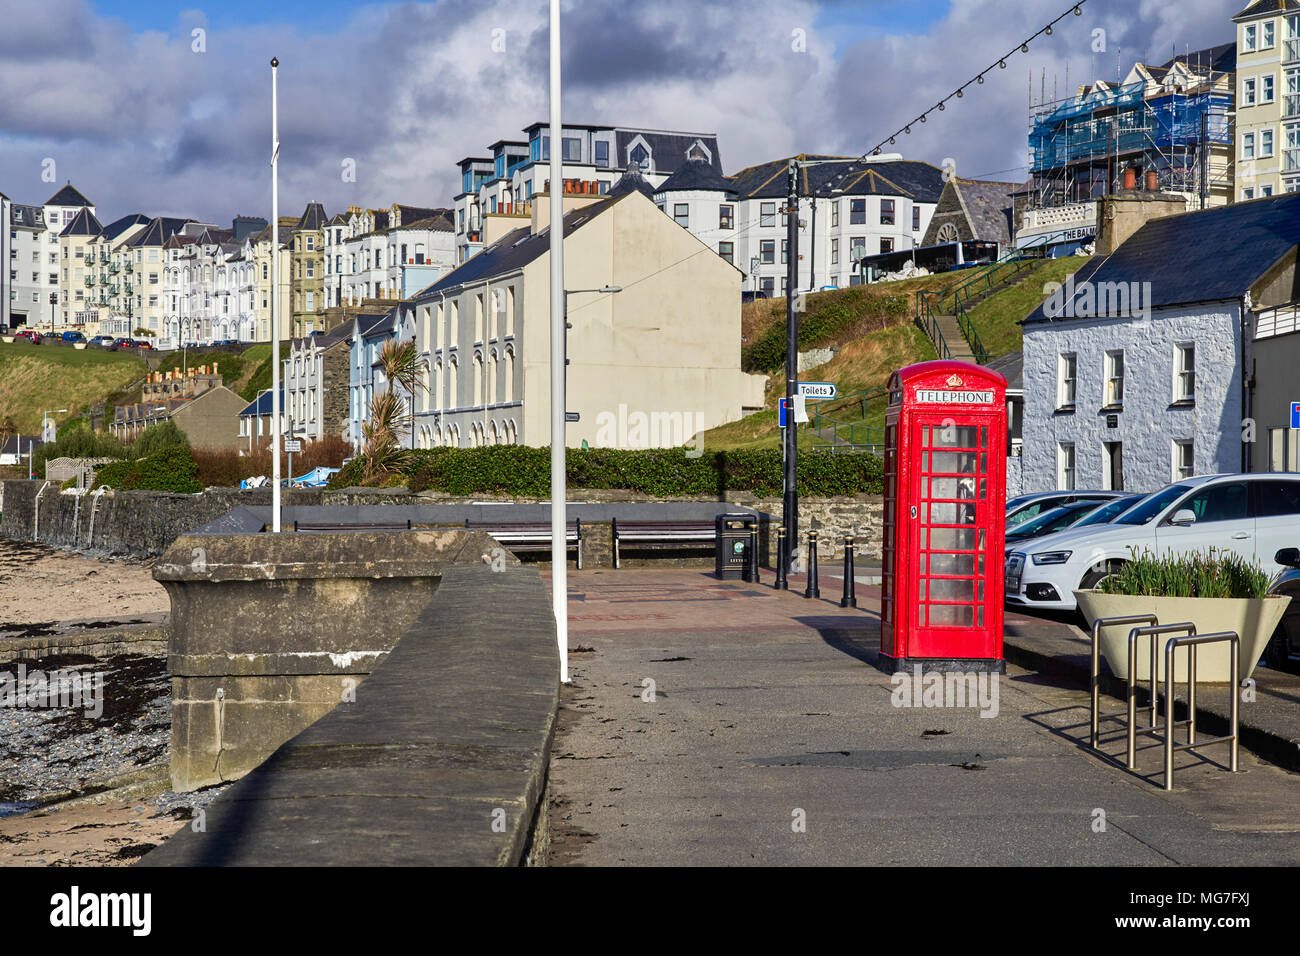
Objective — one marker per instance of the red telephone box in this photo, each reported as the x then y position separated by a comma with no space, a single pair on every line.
944,519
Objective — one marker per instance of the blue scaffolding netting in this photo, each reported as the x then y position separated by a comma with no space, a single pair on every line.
1124,120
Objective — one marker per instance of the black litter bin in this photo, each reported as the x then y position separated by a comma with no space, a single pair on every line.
736,559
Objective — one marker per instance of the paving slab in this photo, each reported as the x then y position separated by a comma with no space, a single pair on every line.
771,738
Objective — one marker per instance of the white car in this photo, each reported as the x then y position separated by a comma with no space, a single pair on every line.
1252,515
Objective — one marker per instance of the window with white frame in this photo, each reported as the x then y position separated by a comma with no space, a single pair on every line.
1247,145
1066,379
835,214
1265,143
1250,37
1183,459
1249,91
1114,394
682,214
1184,372
1065,466
1267,82
1267,35
835,252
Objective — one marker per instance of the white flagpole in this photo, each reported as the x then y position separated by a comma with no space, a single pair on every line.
559,550
275,300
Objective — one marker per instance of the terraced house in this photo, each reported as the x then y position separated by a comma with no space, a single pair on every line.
852,209
1267,130
503,182
308,270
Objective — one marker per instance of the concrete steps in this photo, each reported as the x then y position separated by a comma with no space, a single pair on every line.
956,342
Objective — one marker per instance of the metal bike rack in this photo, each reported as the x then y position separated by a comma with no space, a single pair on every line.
1097,625
1153,728
1191,642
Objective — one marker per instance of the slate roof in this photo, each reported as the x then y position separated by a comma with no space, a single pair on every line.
83,223
514,250
262,405
407,214
158,232
988,208
381,324
32,217
1213,255
916,180
1259,8
1012,368
313,217
14,443
119,226
696,175
632,181
69,195
1220,59
440,222
668,150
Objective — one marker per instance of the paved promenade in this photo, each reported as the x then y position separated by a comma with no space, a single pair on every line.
770,738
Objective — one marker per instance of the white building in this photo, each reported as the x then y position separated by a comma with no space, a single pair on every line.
503,183
852,209
1133,372
386,253
32,256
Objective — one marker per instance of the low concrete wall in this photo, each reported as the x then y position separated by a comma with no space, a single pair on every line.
440,761
269,632
145,523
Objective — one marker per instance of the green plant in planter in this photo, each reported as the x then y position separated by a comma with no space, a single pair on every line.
1218,574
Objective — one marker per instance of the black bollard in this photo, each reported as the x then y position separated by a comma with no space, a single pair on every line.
811,590
751,564
780,584
850,599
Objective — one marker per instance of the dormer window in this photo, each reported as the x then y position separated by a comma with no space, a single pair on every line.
640,157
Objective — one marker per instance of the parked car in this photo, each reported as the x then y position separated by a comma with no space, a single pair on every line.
1283,651
1253,516
71,337
123,343
1050,522
29,335
143,345
1025,507
102,342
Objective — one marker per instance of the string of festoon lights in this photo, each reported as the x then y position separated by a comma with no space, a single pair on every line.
1075,9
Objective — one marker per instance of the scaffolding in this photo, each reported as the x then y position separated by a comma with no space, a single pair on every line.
1080,148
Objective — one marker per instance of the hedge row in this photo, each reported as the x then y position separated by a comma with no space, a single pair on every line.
831,314
659,473
172,469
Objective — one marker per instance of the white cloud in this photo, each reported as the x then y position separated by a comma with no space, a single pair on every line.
141,123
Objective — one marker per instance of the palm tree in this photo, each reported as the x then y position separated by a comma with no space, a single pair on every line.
404,365
383,450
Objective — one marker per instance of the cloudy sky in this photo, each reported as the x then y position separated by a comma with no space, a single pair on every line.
144,114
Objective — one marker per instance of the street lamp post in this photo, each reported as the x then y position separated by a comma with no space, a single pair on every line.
275,299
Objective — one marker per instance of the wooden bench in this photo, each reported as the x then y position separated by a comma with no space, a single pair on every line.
333,528
530,535
663,533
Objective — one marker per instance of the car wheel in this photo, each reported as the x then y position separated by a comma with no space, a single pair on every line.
1094,578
